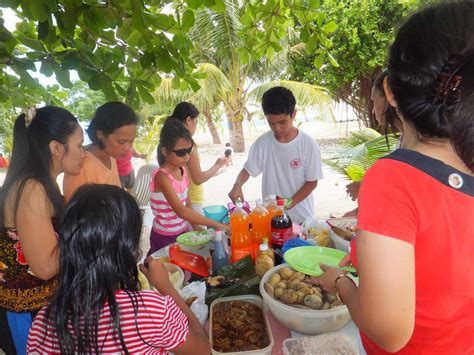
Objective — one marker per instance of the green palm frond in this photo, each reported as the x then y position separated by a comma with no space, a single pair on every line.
313,98
362,150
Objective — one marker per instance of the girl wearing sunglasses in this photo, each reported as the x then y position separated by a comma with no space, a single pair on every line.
170,203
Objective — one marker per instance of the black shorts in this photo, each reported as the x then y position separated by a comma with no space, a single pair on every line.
128,181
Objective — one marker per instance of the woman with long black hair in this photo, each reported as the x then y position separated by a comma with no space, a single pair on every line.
46,142
414,243
98,306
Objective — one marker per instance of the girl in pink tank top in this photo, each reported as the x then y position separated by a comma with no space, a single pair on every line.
169,200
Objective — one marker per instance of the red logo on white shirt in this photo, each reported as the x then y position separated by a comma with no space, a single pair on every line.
295,163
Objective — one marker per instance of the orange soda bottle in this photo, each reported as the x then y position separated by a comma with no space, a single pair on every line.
240,240
271,207
259,221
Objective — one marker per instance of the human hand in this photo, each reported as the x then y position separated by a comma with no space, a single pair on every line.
351,213
157,275
142,156
352,189
346,260
327,279
236,193
220,162
224,228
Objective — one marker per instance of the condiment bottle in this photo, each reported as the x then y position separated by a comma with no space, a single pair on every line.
240,240
259,222
219,256
282,227
264,261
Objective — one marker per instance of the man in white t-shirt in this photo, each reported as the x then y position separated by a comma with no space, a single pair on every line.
288,158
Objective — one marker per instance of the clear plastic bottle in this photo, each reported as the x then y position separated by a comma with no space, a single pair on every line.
240,240
282,227
259,221
219,256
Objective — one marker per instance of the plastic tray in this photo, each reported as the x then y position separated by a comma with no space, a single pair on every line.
189,261
290,343
252,299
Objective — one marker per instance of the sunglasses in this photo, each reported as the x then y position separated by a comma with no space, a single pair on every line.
183,152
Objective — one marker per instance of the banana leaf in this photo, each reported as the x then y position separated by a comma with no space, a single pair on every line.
248,281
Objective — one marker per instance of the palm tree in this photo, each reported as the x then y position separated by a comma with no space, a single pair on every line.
360,151
216,39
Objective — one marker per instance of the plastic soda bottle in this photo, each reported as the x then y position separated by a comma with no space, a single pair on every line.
240,240
271,207
259,221
219,257
282,227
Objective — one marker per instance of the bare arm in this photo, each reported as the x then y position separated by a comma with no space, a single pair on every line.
303,192
383,306
194,167
163,184
36,232
197,341
236,192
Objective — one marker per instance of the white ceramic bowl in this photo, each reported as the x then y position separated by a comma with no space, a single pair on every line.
304,321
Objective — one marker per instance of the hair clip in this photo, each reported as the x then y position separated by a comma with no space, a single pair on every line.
446,86
30,113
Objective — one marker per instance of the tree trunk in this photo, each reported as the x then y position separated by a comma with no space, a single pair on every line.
237,136
212,127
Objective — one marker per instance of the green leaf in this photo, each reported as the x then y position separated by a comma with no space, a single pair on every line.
304,35
137,15
35,10
62,76
333,60
145,95
43,30
219,6
329,27
46,68
188,20
319,60
194,4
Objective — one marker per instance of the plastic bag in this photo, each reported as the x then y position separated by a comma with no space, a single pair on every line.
317,233
199,307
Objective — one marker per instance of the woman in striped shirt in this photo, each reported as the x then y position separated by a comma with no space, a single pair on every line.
169,199
98,307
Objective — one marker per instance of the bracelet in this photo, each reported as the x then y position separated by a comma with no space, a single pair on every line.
335,284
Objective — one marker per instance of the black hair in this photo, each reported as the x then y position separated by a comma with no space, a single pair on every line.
31,155
183,110
390,114
171,131
108,118
99,250
422,47
278,100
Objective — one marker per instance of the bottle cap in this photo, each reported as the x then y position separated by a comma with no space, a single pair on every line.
263,247
238,204
218,235
280,202
272,196
259,202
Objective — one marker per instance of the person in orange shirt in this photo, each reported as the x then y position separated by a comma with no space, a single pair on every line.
112,132
3,161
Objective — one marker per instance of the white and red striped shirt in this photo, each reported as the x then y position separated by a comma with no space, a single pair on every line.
166,221
161,324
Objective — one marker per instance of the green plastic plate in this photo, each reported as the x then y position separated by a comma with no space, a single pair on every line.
187,239
307,259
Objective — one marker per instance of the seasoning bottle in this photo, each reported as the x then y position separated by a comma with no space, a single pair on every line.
219,256
264,261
